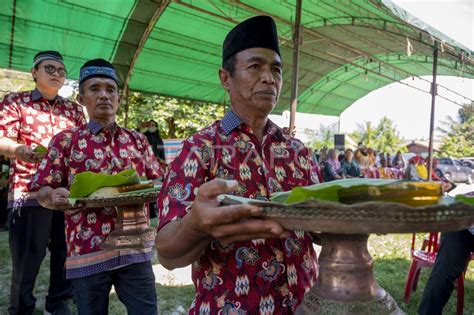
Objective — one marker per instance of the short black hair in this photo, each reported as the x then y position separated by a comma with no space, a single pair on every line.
229,64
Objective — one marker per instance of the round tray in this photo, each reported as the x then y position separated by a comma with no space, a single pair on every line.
368,217
120,200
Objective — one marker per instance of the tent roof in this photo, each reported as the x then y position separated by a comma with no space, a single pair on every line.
349,48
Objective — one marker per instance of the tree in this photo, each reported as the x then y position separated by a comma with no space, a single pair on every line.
365,133
383,138
15,81
323,137
176,118
458,135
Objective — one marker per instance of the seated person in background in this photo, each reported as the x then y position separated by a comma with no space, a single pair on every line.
350,168
378,158
421,168
241,264
398,161
389,159
323,155
384,171
412,170
101,146
371,154
332,168
452,260
360,155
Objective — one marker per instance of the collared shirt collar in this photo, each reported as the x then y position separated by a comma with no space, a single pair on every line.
232,121
36,95
95,127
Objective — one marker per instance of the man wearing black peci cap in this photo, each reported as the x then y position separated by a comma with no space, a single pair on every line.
101,146
28,120
241,263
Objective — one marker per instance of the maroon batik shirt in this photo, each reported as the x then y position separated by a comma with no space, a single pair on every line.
96,149
262,276
28,118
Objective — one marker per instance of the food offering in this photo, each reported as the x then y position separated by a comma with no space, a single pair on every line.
128,194
93,190
365,206
342,214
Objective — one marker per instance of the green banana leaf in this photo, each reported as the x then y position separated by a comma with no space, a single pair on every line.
40,149
358,192
468,198
86,183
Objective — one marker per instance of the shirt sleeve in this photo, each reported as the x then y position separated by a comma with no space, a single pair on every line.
187,172
53,170
10,117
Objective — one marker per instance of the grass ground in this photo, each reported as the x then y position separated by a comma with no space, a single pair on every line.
390,252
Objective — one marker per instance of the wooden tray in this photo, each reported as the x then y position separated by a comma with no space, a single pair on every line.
121,200
368,217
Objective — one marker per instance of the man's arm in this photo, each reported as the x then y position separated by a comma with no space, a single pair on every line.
180,243
56,199
12,149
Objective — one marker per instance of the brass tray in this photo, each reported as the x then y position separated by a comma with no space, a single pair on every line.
125,199
364,218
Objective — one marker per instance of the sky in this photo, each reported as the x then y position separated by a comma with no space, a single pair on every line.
407,107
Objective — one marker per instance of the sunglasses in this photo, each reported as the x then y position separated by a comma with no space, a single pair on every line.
50,69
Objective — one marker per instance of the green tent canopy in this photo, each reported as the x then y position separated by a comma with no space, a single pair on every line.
349,48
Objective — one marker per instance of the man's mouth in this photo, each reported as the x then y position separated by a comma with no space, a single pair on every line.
267,93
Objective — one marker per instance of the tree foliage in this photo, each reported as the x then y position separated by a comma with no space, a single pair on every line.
15,81
383,138
322,137
458,133
175,118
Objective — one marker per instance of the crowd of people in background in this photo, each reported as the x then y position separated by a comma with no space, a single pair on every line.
365,162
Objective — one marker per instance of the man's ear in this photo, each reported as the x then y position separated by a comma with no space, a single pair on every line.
33,72
224,77
80,98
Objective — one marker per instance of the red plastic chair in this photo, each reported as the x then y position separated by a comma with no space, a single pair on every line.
425,258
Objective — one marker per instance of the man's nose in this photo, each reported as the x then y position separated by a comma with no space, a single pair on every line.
103,93
267,76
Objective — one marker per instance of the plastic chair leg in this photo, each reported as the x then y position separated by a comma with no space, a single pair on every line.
415,281
411,276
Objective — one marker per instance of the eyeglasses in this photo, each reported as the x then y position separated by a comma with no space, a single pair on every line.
50,69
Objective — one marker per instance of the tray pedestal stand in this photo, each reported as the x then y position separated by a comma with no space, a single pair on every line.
131,229
346,284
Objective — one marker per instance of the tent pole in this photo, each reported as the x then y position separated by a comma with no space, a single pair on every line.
296,59
433,101
126,106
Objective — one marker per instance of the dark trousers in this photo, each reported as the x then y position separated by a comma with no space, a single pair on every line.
134,284
31,231
452,259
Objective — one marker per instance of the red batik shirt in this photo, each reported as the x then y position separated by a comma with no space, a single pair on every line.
262,276
28,118
96,149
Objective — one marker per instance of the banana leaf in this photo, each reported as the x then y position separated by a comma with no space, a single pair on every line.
86,183
467,198
359,190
